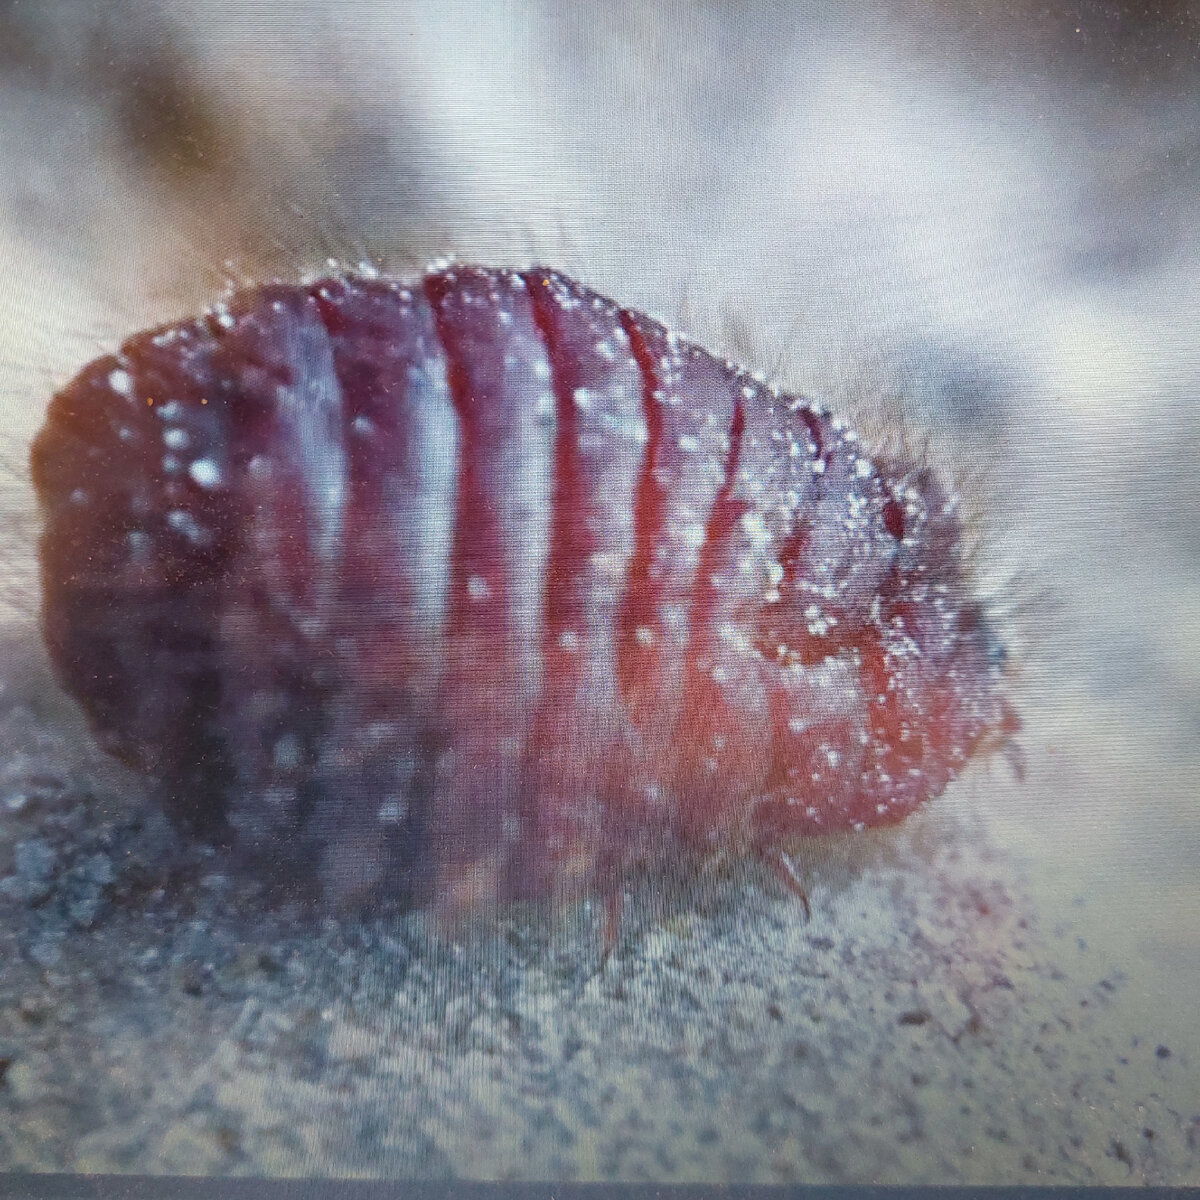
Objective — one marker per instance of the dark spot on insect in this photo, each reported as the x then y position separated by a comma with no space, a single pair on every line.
813,425
997,649
484,587
916,1017
191,978
893,517
1162,1052
791,551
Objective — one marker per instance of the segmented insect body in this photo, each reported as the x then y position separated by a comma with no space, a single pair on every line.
486,587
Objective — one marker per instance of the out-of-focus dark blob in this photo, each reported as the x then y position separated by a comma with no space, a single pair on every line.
956,386
1136,45
1143,43
166,114
251,170
485,587
21,49
132,62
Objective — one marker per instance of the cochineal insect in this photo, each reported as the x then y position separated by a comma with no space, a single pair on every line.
483,587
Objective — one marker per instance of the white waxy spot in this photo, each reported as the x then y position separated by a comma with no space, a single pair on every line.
285,754
363,425
126,434
674,615
644,635
477,588
79,496
603,563
121,382
205,472
692,535
171,464
862,468
732,634
756,529
169,411
636,431
183,522
175,438
584,398
139,543
818,467
819,621
832,756
689,444
392,811
568,640
545,406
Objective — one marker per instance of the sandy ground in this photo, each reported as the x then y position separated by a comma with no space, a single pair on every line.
926,1025
980,227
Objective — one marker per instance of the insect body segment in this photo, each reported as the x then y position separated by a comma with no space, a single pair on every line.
486,587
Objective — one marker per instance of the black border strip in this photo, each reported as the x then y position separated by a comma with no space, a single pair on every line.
31,1186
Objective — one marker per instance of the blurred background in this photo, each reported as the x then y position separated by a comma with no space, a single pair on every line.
970,228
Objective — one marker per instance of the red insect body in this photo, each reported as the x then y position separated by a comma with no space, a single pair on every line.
486,587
